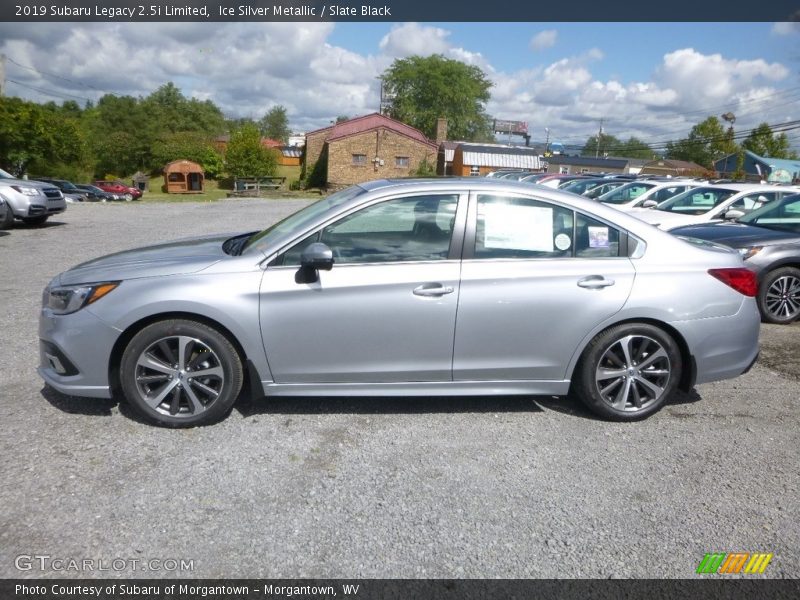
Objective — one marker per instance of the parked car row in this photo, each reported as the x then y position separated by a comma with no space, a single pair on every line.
100,191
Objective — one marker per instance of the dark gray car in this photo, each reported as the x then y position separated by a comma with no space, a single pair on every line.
768,239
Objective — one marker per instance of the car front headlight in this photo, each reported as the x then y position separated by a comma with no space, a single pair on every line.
63,300
27,191
749,252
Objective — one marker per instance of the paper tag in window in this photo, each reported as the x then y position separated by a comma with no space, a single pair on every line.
598,237
563,242
518,227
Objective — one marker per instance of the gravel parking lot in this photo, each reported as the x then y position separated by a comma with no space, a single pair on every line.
373,488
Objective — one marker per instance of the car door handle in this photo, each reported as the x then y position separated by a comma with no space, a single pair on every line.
433,289
595,282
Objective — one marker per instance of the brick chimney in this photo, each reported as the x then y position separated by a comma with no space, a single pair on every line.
441,130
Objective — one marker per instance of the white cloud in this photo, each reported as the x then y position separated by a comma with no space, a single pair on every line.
412,38
247,68
786,28
544,39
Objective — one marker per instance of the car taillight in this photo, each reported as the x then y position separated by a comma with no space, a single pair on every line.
742,280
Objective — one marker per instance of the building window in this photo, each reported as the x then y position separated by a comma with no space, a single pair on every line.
401,162
360,159
584,170
474,171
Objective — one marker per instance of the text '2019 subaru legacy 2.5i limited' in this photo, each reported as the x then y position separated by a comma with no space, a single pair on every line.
407,287
32,202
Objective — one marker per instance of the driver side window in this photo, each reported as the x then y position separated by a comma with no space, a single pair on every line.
417,228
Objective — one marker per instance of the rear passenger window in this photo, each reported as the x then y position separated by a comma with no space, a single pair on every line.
510,227
594,238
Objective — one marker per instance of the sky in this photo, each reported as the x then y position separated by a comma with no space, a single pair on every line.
649,80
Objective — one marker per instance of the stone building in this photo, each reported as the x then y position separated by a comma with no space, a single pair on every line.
365,148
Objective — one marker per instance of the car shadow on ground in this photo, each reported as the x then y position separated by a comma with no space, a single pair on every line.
298,405
4,233
76,405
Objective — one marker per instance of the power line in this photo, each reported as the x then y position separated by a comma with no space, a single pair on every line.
52,93
11,60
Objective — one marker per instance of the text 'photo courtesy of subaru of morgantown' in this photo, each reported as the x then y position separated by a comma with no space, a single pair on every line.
407,287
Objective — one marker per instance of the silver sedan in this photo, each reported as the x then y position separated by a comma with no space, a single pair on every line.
408,287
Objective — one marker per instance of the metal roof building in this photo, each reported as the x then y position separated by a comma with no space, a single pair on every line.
480,159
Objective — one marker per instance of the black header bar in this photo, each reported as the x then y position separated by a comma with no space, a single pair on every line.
396,10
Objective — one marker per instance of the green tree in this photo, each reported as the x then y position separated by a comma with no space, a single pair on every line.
246,157
707,141
275,124
636,148
763,142
426,88
40,139
605,145
190,145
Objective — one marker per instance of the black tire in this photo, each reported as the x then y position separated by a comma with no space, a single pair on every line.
613,384
779,296
171,395
8,221
40,220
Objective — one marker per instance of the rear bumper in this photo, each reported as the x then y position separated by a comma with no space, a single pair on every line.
723,347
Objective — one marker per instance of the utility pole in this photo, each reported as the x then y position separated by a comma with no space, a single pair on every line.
2,75
599,137
547,141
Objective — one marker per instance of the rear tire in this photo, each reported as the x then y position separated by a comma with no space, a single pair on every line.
181,373
779,296
628,372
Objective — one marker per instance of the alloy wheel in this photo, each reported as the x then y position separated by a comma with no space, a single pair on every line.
180,376
782,299
633,373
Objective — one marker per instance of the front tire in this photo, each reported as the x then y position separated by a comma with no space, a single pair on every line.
628,372
41,220
181,373
779,296
8,219
128,197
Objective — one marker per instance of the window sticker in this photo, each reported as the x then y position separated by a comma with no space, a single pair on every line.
598,237
563,242
518,227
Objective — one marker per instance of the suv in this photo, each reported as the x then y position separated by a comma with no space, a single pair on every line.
116,187
31,201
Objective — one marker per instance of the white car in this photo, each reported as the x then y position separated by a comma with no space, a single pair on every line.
635,193
711,203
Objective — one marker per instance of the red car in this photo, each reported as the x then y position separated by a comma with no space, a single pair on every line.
117,187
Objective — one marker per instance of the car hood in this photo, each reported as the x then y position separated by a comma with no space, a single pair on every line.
27,183
737,235
662,217
172,258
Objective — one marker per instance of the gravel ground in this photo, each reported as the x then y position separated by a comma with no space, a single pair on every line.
372,488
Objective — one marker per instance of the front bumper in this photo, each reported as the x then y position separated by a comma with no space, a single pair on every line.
74,352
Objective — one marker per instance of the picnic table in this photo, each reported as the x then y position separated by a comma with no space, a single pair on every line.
251,186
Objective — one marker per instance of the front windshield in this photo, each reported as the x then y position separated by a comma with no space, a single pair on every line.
783,215
696,201
261,241
4,175
626,193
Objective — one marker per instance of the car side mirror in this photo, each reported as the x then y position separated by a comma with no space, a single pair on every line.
649,204
315,257
733,214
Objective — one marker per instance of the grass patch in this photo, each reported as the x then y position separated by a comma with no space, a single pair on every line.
212,192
